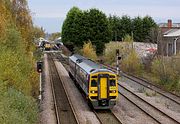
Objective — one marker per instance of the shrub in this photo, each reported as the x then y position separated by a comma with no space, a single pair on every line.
89,51
132,63
110,51
16,108
167,71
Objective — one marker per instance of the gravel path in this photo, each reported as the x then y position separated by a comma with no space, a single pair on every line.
47,114
84,114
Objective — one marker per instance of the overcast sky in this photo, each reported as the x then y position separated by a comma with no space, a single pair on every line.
51,13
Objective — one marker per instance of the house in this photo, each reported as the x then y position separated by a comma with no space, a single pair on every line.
170,42
169,25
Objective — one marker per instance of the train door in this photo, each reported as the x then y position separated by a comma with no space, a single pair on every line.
103,84
103,87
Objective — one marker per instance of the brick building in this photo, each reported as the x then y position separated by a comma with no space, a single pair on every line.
170,41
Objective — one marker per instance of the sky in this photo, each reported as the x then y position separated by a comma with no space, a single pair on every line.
50,14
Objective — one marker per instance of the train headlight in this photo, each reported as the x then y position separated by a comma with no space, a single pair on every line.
113,91
92,91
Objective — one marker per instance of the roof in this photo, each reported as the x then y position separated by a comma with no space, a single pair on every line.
172,33
87,65
165,25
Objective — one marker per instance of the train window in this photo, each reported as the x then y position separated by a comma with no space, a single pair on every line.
94,76
112,76
93,83
92,70
112,82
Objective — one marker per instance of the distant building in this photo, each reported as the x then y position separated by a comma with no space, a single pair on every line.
169,25
170,42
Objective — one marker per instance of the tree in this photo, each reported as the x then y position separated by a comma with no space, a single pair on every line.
54,36
71,27
38,32
80,26
120,27
98,32
142,28
138,29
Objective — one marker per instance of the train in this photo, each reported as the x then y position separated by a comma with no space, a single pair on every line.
47,46
97,83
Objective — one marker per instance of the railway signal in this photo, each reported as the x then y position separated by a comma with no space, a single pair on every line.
117,61
39,66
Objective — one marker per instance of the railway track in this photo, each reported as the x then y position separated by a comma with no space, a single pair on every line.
175,98
106,117
171,96
64,111
155,113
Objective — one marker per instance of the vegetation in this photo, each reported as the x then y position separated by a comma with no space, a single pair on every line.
139,27
130,61
18,79
81,26
167,71
54,36
164,71
93,25
89,51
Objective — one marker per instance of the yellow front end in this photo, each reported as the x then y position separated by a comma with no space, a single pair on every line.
103,90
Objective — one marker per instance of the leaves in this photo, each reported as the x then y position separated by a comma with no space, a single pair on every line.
81,26
89,51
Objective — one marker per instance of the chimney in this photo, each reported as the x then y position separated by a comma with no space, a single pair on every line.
169,23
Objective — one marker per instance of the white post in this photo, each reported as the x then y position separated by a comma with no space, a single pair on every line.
175,46
117,61
117,66
40,86
167,49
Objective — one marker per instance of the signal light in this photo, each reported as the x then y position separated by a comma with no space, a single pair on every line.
39,66
117,52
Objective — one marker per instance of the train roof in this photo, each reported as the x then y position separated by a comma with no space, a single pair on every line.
87,65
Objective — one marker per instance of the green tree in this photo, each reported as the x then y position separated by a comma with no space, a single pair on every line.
71,27
98,29
120,27
138,29
142,28
80,26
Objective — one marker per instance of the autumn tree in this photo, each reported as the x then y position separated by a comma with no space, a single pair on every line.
89,51
54,36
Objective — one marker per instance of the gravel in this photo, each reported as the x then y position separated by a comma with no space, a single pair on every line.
128,113
153,98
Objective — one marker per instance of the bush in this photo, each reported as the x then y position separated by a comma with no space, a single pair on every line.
110,52
167,71
89,51
132,63
16,108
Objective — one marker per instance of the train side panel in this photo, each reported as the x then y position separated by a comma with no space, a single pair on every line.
80,76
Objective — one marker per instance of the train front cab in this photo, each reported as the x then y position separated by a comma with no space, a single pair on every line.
103,90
